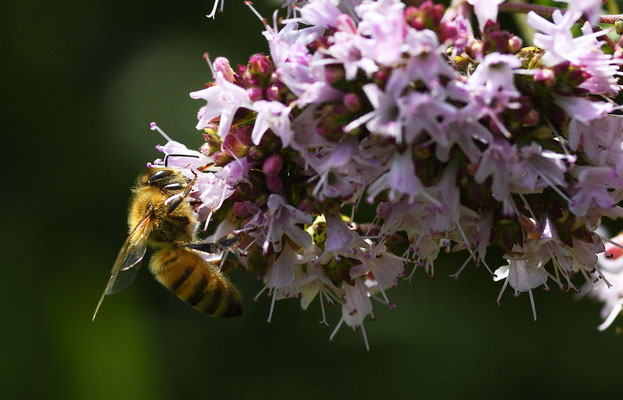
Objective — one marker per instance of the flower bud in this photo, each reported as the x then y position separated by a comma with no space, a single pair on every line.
380,77
243,133
352,102
274,183
233,146
255,153
578,75
618,26
255,93
221,64
562,67
211,129
221,158
333,73
240,209
272,165
531,118
514,44
212,140
447,32
273,93
545,77
259,64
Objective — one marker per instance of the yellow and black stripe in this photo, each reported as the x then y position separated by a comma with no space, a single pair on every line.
195,281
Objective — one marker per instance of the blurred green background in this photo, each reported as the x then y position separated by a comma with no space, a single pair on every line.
82,81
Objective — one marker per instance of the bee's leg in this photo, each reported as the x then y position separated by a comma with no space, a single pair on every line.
229,241
178,199
211,248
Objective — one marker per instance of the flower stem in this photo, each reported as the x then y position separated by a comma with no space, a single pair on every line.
548,11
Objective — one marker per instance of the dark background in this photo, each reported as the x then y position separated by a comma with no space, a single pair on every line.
81,83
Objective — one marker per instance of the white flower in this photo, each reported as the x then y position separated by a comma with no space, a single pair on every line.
523,274
224,99
610,289
485,10
274,116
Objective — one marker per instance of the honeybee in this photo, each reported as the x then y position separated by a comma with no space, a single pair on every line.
159,216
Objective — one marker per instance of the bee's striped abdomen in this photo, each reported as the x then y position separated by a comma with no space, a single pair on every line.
196,282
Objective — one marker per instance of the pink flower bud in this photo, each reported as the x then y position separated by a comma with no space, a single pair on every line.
212,140
233,146
244,134
273,93
352,102
222,64
531,118
260,64
545,77
240,209
562,67
514,44
272,165
255,93
221,158
333,73
274,183
255,153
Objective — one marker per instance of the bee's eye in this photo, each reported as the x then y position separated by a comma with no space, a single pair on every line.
158,175
174,186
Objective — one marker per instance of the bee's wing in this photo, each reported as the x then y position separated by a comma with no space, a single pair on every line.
132,252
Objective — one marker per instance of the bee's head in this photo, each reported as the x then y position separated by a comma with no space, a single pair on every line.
169,179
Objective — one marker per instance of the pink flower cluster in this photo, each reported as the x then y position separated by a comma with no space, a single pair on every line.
461,141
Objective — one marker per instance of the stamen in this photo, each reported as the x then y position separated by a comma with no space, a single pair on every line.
552,277
324,316
486,266
260,293
205,226
336,329
532,303
602,276
267,241
612,316
365,338
387,302
272,305
456,275
213,12
560,139
223,258
206,58
257,14
467,243
154,127
555,188
608,240
497,301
